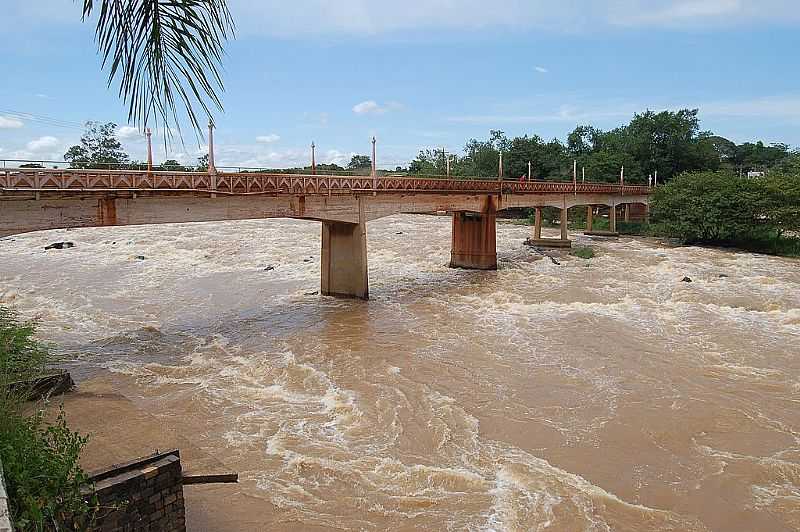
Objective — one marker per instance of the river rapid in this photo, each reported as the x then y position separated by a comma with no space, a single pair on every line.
600,394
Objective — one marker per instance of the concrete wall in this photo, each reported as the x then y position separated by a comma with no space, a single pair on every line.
145,495
5,517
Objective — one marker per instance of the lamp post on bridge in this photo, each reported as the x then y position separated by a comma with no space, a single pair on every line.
500,168
313,159
374,168
149,134
212,169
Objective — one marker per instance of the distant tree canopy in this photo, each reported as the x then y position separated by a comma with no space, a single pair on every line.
358,162
99,148
667,143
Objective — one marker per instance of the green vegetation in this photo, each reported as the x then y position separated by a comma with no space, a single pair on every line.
667,143
40,459
722,208
163,55
582,252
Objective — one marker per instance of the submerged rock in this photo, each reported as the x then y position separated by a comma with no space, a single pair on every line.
269,268
60,245
139,257
686,280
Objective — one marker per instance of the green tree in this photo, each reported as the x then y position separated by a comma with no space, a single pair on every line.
359,162
99,148
712,207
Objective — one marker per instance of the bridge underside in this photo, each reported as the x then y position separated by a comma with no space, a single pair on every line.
344,270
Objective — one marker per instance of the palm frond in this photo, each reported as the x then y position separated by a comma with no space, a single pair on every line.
165,54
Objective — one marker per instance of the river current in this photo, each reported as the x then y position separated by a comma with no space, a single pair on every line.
601,394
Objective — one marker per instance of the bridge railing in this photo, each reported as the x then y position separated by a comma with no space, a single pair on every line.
73,179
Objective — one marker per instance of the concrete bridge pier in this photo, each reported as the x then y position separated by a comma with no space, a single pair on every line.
612,222
538,241
474,243
344,271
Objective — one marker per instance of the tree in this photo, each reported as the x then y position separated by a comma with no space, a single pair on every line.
164,54
99,148
171,165
358,162
713,207
548,159
202,163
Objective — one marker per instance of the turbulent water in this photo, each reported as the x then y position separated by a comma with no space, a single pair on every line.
587,395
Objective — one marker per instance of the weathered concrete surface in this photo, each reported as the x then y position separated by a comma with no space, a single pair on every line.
474,239
5,518
344,260
24,215
550,242
600,232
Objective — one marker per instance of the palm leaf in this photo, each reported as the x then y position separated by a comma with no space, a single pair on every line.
165,54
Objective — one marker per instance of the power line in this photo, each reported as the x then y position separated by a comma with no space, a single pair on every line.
41,119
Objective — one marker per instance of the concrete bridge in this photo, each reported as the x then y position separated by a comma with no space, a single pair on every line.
33,199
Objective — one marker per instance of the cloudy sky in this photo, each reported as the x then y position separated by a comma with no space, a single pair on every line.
423,73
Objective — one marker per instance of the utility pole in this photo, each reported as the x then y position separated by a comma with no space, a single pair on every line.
583,174
529,170
313,159
149,134
447,160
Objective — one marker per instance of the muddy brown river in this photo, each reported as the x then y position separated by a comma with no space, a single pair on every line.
600,394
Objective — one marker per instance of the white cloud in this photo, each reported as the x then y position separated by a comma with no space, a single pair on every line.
42,144
372,107
774,108
369,18
129,132
7,122
267,139
541,70
367,107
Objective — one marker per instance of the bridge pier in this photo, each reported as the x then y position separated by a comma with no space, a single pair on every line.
538,241
474,243
344,270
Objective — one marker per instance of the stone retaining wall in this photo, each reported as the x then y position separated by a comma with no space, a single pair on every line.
145,495
5,517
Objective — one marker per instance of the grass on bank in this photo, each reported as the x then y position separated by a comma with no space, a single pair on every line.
582,252
44,480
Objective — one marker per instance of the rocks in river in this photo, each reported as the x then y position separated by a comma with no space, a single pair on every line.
686,280
306,260
269,268
723,276
399,233
314,293
139,257
60,245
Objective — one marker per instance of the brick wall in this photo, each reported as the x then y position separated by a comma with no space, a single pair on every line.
145,495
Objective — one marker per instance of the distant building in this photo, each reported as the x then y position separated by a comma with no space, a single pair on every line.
755,174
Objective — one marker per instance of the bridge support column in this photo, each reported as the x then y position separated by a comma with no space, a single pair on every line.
344,270
537,224
589,217
474,244
612,219
627,212
539,242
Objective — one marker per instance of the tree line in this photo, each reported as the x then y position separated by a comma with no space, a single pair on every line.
665,144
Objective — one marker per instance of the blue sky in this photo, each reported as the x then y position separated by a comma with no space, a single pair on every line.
424,73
